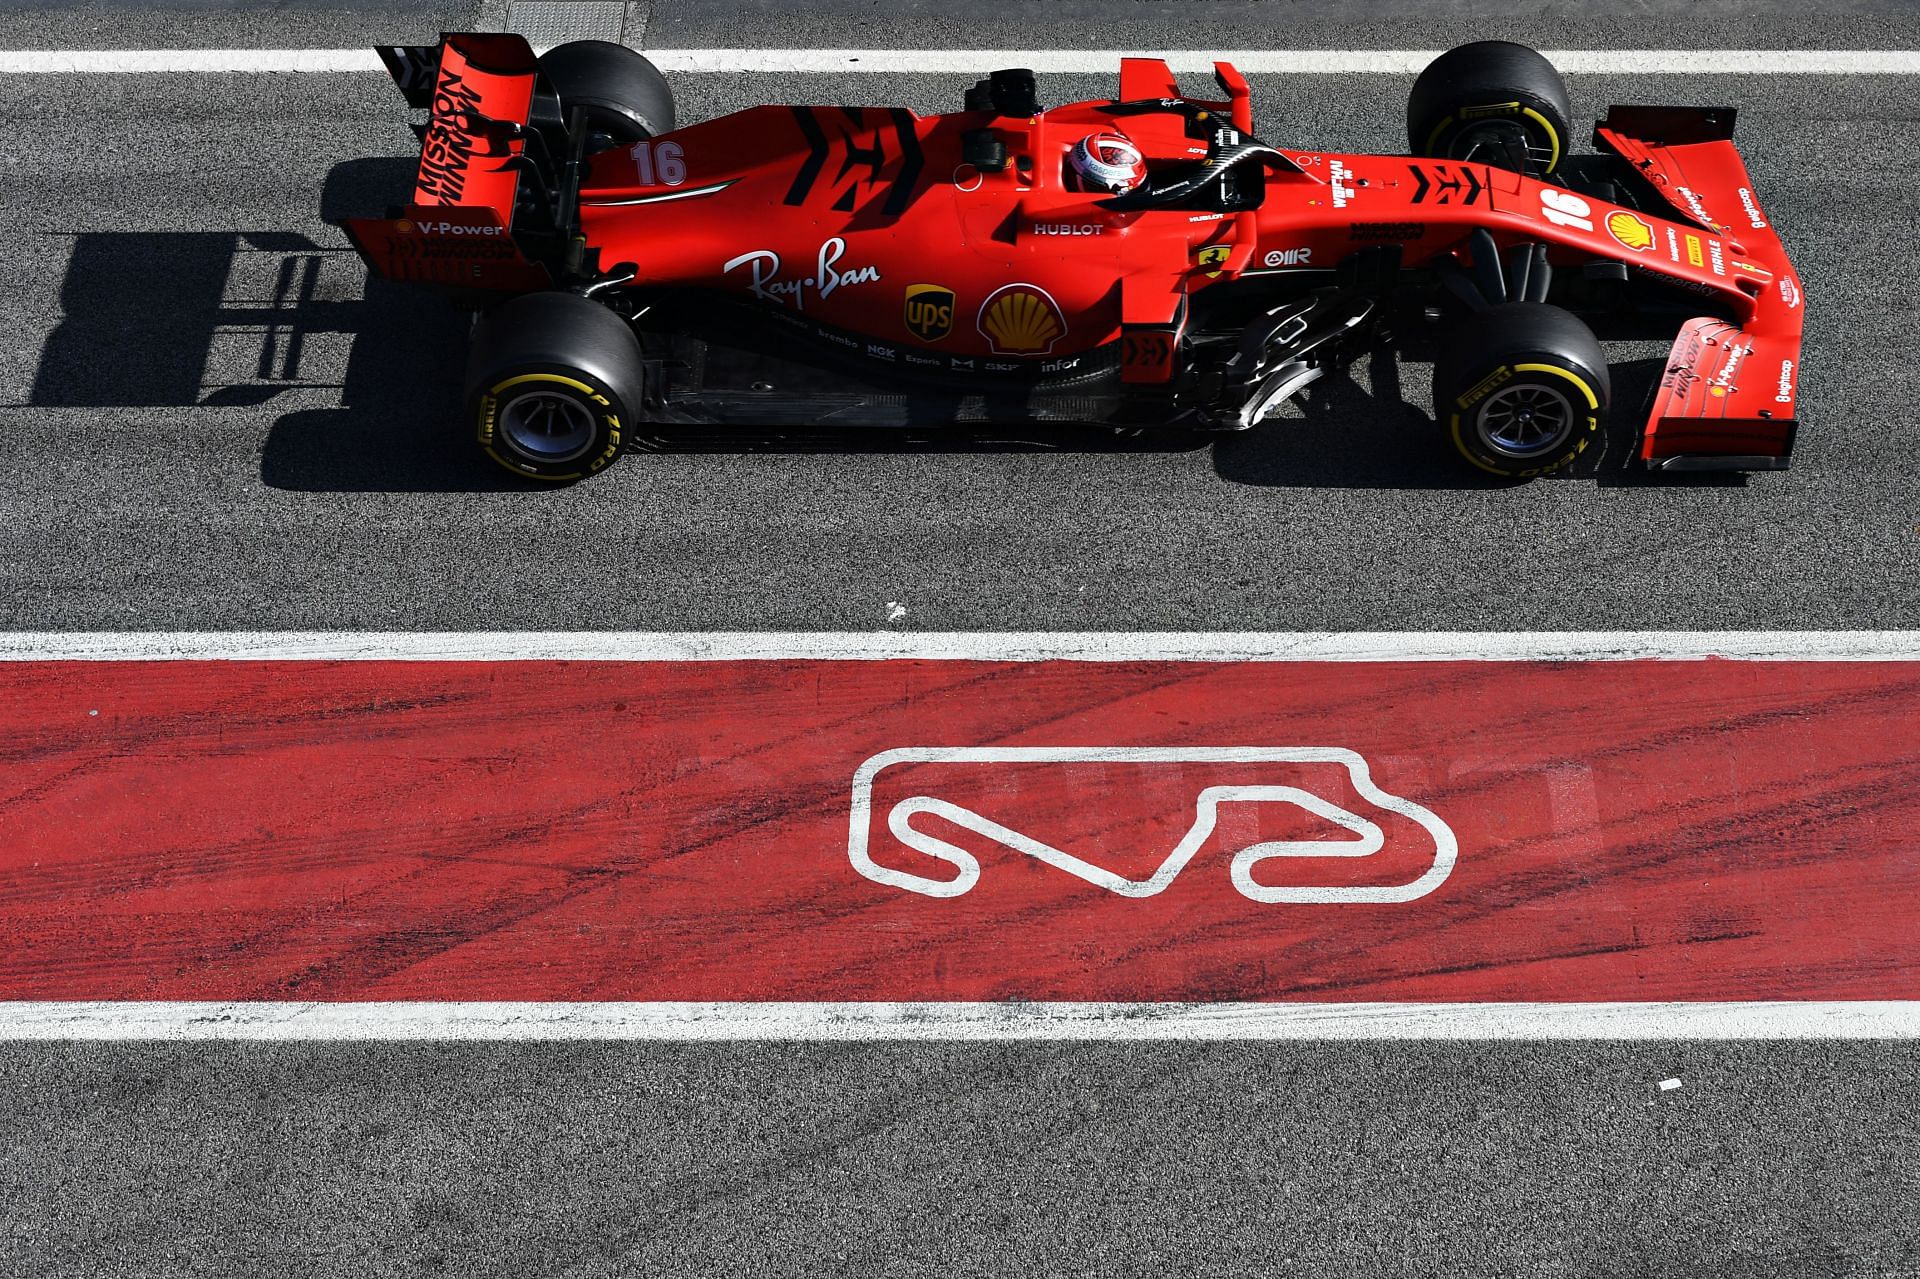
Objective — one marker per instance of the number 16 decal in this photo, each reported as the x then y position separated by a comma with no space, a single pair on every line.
1564,208
662,163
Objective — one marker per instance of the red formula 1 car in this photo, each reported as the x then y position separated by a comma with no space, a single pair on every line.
1136,261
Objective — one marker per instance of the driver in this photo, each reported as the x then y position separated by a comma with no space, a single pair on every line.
1107,162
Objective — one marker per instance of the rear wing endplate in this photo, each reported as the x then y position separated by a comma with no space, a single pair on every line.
457,230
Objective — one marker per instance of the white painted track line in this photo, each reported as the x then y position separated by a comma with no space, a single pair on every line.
1286,61
184,61
282,1022
985,646
1692,62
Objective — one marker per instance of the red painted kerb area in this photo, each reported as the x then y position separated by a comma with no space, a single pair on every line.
1634,830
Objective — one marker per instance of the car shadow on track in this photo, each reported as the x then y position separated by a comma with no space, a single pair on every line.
262,326
396,426
1361,432
1349,430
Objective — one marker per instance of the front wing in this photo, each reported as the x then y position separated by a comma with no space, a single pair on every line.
1727,397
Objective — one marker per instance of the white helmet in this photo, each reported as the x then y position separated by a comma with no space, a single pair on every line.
1108,162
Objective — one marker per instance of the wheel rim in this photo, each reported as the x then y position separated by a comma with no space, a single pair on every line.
548,426
1526,420
615,125
1506,144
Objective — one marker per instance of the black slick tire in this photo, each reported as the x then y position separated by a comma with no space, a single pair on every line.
1522,389
1493,102
625,97
555,383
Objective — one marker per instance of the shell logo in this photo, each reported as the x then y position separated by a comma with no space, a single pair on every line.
1631,230
1021,319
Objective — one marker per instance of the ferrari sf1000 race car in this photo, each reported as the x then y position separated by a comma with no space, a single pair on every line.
1138,261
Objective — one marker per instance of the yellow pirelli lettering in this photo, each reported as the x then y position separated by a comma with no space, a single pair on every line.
1485,387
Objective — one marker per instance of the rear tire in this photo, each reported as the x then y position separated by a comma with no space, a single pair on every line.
554,385
1493,102
1522,390
625,97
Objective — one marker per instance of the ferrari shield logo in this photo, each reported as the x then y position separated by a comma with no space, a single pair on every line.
1214,256
929,313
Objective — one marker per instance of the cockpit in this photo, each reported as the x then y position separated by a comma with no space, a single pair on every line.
1223,171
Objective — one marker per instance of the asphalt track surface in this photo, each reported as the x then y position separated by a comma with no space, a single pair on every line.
192,462
180,461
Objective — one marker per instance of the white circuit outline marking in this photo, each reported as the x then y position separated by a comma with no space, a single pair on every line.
1206,809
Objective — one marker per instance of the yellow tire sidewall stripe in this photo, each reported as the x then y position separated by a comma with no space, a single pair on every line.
1456,427
1546,125
491,398
1593,400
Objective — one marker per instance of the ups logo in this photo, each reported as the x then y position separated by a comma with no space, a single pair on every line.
929,311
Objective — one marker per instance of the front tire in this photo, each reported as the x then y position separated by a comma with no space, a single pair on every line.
1522,390
554,385
1493,102
625,97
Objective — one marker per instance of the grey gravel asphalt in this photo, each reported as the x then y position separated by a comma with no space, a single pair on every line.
163,482
229,24
1355,1159
205,425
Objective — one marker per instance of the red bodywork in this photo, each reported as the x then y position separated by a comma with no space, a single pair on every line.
868,222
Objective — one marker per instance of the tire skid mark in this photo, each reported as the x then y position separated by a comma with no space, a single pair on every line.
1652,851
475,923
663,831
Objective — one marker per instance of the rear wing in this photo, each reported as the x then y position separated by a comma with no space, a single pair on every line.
458,229
1146,79
1727,398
